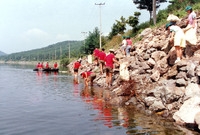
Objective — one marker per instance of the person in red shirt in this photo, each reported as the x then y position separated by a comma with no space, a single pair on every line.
47,65
55,66
109,60
128,46
38,65
96,55
88,77
41,65
77,65
102,56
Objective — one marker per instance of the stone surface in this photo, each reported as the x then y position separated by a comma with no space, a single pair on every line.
153,82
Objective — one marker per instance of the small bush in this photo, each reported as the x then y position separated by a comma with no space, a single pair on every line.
64,62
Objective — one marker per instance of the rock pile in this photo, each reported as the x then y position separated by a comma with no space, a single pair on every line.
155,83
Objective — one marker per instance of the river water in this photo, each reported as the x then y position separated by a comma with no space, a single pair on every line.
37,103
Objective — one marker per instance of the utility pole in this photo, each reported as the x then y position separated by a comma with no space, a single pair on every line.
100,4
69,50
84,33
60,52
55,54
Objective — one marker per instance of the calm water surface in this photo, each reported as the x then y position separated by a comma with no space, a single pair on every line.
36,103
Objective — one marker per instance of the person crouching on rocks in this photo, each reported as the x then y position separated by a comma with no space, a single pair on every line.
76,66
88,77
178,37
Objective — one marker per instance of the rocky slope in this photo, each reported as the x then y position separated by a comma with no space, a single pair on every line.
153,83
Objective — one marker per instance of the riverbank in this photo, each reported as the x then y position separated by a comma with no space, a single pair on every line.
153,83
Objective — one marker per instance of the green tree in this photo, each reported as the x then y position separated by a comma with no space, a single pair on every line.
118,28
133,21
121,25
148,5
92,41
64,61
114,31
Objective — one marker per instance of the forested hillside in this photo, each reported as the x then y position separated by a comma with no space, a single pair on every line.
2,53
51,52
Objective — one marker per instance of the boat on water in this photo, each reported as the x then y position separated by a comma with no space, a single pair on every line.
47,69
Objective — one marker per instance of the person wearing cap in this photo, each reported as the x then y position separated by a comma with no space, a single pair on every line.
123,45
190,31
178,37
109,65
88,77
128,46
191,20
102,56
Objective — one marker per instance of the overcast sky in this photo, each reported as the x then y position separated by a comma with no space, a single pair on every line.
32,24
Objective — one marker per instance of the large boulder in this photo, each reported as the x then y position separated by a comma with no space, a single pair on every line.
186,114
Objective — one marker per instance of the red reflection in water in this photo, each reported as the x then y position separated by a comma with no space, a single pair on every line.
39,73
76,89
105,112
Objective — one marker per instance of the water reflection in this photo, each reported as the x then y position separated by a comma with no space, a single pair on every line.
76,89
104,111
134,122
48,104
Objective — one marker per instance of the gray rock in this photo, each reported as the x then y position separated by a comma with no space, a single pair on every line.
158,55
157,106
181,82
192,90
155,76
187,112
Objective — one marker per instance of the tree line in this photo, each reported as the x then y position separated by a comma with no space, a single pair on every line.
52,52
66,50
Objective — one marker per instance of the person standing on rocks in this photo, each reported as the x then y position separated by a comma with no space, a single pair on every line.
96,55
123,45
177,36
128,46
102,56
109,60
190,32
191,20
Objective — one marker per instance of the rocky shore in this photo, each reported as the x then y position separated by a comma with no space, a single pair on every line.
152,82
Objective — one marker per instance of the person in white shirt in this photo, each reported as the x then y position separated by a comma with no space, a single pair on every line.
178,37
123,45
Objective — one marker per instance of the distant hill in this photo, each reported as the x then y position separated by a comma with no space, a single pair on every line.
51,52
2,53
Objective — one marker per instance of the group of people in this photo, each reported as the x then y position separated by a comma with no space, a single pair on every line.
46,66
105,63
126,45
178,35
